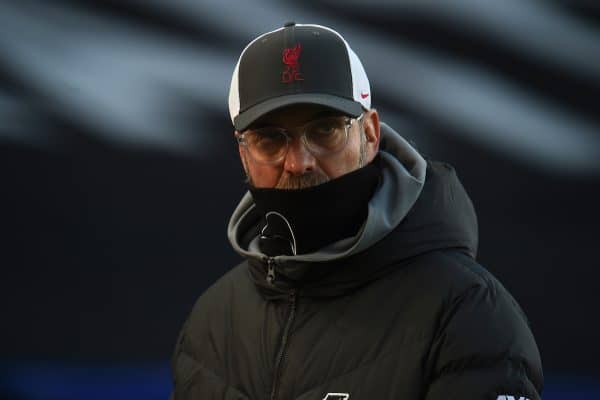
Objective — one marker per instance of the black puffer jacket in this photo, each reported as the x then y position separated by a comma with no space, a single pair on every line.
413,316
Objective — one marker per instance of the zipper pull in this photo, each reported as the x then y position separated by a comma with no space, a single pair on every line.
271,271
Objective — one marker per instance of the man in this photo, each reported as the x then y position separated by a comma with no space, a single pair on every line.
359,279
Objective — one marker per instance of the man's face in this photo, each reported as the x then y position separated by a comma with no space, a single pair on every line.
300,168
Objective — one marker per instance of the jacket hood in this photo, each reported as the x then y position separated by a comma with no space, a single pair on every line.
419,206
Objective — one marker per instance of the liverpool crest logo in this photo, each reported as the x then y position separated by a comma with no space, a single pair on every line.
292,66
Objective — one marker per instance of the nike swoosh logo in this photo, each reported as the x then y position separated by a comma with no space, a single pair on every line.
364,95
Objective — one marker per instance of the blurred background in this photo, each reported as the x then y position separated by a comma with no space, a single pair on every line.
119,171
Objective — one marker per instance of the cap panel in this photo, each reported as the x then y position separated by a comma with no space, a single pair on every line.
360,83
234,94
361,88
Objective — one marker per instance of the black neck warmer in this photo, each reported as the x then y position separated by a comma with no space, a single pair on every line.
300,221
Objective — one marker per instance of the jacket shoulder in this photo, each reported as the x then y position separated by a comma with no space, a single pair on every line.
200,344
483,344
215,303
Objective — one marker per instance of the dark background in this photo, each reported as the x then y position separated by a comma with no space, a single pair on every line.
119,171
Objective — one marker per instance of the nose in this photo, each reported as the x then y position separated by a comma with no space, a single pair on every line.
298,160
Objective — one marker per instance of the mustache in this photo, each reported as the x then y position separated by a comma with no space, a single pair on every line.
289,181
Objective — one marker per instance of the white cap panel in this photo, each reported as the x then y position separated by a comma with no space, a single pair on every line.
360,83
234,94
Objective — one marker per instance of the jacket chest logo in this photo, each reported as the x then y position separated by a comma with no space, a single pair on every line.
336,396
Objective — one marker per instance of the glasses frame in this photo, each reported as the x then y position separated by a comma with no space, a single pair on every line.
348,121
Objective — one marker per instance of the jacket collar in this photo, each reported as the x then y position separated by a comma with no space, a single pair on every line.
407,215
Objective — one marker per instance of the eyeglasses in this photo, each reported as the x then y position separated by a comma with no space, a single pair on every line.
323,136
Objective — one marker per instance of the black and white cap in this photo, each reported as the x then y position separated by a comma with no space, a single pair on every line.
298,63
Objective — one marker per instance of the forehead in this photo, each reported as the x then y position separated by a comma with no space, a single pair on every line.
296,114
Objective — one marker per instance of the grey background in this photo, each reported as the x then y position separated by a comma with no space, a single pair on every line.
119,171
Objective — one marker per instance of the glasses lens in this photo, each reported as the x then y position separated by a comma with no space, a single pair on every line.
266,144
327,135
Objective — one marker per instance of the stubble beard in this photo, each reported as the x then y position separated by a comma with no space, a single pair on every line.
289,181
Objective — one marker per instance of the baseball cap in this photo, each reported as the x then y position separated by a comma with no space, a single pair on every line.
297,63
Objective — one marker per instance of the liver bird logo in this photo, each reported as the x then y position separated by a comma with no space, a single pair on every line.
291,57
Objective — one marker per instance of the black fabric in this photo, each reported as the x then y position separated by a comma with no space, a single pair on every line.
412,317
317,215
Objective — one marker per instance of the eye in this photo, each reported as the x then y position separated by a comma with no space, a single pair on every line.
266,140
326,135
326,126
267,135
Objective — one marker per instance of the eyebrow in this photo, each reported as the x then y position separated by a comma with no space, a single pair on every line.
328,113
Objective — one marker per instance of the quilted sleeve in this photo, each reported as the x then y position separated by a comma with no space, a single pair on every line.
484,349
192,380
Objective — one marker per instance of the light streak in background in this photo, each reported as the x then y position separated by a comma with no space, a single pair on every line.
134,85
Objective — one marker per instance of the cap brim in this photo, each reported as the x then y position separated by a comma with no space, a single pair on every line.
346,106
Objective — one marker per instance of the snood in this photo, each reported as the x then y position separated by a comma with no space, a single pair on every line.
300,221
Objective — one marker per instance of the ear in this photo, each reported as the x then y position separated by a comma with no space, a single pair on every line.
372,133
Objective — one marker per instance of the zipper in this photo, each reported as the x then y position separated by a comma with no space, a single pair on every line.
284,341
271,270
